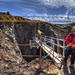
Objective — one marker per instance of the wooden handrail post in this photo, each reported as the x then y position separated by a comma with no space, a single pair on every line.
30,44
58,48
53,50
63,48
40,58
52,45
40,63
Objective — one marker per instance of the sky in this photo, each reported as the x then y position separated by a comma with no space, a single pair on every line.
39,7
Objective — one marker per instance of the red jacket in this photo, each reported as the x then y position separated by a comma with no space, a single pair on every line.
71,39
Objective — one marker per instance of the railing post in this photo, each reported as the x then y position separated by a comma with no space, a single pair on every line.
58,48
30,44
53,50
63,48
52,45
40,63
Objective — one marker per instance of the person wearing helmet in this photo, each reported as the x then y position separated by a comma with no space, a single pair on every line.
70,40
39,32
41,36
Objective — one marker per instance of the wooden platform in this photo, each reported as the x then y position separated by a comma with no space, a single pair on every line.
56,57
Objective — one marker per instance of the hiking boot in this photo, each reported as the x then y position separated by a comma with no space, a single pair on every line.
64,62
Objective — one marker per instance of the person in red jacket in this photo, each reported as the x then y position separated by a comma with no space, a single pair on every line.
70,40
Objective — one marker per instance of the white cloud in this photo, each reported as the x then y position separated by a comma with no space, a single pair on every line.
57,3
69,4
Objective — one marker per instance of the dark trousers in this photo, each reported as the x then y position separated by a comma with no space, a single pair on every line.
73,56
70,51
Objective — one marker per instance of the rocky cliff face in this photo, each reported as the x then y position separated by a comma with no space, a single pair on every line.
9,50
56,30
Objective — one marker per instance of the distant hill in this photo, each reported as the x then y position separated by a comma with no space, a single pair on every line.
4,13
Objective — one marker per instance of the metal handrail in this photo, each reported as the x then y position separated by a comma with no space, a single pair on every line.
56,44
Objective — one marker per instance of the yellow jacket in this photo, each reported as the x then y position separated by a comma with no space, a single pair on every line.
39,32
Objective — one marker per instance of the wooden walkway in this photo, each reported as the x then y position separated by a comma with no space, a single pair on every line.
56,57
66,70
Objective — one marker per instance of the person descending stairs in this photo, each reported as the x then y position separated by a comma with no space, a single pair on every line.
70,50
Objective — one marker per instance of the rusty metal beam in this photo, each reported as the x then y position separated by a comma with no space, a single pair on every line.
8,18
34,21
30,21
